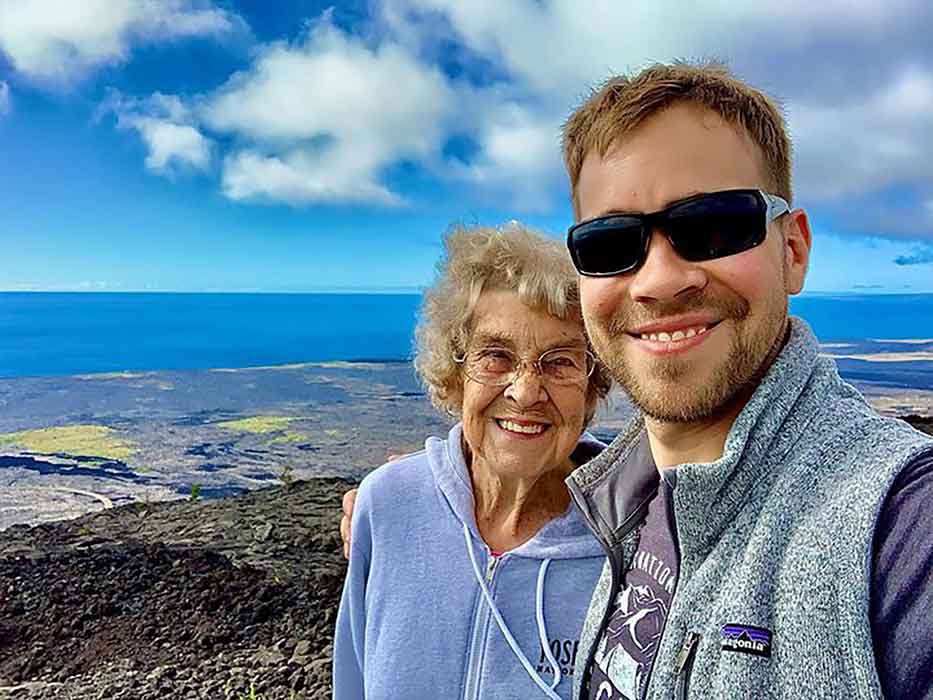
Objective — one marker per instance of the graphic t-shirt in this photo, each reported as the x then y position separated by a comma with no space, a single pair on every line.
626,650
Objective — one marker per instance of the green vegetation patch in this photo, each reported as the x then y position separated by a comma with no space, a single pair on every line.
291,437
82,440
257,425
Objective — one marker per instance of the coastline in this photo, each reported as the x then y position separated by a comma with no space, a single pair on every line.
83,443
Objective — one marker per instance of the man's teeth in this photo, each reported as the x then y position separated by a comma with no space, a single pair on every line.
663,337
516,428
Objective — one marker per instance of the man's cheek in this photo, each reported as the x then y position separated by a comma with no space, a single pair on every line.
601,299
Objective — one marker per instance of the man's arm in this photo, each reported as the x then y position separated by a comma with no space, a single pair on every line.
349,500
346,520
350,629
902,584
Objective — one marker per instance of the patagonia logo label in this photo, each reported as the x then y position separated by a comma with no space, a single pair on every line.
746,639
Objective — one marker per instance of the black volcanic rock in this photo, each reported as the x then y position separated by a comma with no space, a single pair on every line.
190,599
922,423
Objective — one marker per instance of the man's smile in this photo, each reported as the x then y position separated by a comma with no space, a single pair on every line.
675,334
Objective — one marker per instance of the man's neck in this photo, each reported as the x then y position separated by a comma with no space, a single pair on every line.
680,443
703,440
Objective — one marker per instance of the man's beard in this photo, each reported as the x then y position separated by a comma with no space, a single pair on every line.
661,396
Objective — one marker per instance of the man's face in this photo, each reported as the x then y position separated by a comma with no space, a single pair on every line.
731,311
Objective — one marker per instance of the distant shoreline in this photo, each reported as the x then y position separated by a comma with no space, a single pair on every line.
129,373
400,291
362,363
403,291
60,334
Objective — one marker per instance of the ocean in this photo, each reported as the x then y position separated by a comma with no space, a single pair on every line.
50,334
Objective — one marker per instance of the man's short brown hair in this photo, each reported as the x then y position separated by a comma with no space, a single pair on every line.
622,103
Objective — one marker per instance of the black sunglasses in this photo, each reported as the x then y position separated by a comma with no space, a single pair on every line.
703,227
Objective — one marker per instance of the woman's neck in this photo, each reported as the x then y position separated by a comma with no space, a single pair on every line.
509,511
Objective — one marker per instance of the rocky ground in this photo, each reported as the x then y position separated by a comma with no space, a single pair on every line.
227,599
231,599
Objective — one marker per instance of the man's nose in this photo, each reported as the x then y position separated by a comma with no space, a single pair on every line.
665,275
527,386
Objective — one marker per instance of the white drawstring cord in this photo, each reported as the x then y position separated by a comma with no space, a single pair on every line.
542,632
513,645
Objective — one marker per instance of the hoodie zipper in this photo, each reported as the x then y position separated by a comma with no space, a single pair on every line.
491,569
684,665
480,630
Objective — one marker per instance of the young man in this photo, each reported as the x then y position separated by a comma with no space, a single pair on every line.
768,533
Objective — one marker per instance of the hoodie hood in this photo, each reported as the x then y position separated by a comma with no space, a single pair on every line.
564,537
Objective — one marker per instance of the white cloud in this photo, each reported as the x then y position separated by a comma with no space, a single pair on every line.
61,40
325,119
861,120
869,142
519,157
299,177
321,121
562,46
172,144
6,102
167,127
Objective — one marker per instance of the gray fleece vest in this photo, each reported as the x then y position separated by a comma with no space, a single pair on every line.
776,534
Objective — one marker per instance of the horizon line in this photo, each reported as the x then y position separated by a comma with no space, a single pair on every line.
392,290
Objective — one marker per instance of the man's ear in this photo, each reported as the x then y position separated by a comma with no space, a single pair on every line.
797,243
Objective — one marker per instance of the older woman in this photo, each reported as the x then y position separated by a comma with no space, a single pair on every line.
470,570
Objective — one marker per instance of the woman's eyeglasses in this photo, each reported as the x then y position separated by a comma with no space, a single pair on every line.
494,366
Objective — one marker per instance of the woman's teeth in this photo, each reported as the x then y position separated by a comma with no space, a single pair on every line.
663,337
516,428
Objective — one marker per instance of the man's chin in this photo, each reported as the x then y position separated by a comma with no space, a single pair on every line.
679,402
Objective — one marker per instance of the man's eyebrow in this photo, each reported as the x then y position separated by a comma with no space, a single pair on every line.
667,205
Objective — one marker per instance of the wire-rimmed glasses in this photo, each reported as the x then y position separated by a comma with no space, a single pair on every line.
496,366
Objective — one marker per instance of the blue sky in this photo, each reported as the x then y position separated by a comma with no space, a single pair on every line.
296,145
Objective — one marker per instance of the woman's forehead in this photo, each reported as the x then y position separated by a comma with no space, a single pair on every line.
500,318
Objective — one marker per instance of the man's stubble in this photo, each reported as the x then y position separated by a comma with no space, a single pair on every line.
670,394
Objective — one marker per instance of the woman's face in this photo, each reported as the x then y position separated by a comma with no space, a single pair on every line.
551,417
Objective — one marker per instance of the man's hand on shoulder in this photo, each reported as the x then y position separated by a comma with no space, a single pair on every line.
349,500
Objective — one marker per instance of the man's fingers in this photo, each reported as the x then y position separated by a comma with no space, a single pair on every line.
349,499
345,535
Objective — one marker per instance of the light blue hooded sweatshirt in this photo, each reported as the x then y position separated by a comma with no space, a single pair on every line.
428,612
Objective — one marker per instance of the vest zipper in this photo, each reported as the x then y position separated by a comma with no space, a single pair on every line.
684,665
672,526
615,564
